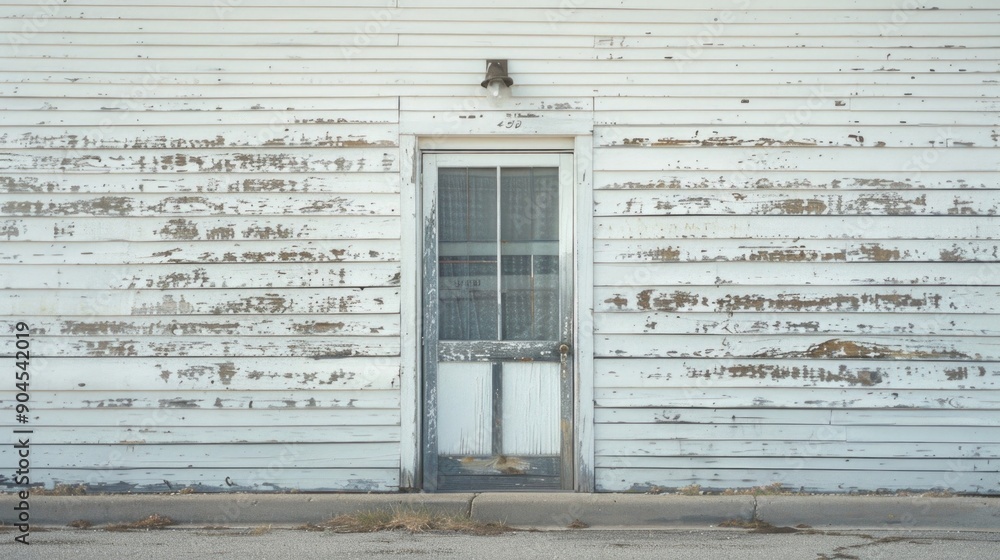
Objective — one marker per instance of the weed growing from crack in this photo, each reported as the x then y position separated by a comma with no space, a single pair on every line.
155,521
412,521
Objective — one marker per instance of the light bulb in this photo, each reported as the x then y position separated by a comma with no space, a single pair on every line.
494,88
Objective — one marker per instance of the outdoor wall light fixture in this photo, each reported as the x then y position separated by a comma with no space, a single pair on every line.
496,78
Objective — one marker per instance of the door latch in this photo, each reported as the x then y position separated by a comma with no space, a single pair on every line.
563,353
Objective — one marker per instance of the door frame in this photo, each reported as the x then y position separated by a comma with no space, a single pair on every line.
412,147
480,351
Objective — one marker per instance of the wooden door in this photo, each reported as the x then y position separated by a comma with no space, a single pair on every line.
497,321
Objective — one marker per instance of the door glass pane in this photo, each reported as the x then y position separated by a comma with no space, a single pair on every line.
467,254
529,224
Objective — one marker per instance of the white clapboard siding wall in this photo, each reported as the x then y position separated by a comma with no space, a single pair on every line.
796,283
795,232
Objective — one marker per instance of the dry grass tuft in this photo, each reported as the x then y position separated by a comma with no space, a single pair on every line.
258,531
412,521
756,526
577,524
773,489
155,521
80,524
61,490
692,490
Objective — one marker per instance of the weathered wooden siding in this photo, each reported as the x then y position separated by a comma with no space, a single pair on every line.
796,256
211,274
795,232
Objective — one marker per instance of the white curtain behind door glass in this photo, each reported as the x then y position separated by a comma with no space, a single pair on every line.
529,250
467,254
529,227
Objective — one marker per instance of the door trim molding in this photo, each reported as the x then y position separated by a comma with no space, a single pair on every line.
412,147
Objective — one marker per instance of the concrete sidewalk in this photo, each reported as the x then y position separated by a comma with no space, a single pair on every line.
524,510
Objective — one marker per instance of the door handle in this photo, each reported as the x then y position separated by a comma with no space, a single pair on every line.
563,353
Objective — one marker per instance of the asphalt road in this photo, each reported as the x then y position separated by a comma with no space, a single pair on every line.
273,543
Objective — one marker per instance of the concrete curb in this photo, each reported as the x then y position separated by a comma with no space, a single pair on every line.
888,512
524,510
610,510
223,509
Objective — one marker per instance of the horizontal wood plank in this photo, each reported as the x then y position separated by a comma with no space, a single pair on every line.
467,85
65,424
652,228
886,434
114,373
207,204
218,399
789,375
845,465
233,276
796,203
781,299
790,450
901,348
703,396
289,301
803,159
256,183
288,160
374,455
788,250
810,273
234,479
790,136
889,417
349,324
265,230
126,136
829,323
218,347
638,480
